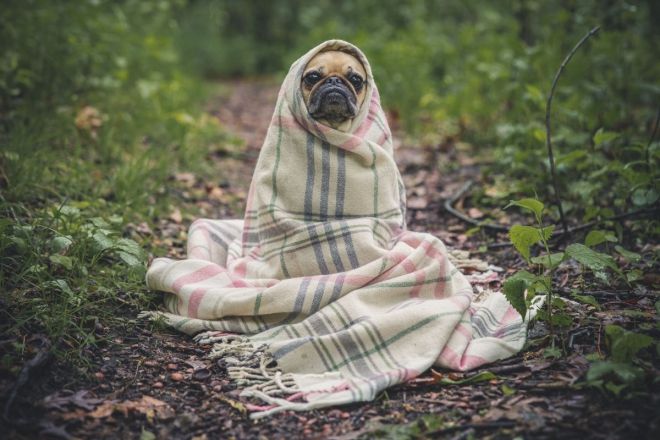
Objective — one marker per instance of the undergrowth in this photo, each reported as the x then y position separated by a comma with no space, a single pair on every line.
95,114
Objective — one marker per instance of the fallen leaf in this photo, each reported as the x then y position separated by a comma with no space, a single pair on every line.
187,179
176,216
103,411
147,405
80,399
417,203
238,406
216,193
89,119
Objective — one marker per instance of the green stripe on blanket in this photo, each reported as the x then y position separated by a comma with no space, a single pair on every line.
322,276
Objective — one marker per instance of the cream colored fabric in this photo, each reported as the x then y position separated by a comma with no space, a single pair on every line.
322,276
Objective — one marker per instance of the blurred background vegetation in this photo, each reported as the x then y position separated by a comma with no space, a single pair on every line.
101,101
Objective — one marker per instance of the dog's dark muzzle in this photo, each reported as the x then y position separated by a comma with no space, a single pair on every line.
333,100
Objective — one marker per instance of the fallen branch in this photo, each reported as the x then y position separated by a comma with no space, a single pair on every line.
448,205
548,136
39,359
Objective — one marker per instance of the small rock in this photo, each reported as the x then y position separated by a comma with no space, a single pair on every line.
158,385
99,375
201,374
172,367
177,377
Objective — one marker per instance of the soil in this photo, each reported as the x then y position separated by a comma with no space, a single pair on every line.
147,382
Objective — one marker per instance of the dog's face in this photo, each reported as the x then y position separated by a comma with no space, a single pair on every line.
333,86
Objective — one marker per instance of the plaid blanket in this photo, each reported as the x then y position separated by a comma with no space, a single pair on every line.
320,296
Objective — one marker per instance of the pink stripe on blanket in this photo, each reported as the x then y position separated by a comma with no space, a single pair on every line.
464,330
205,273
287,122
202,274
240,268
395,257
410,373
410,267
195,300
458,362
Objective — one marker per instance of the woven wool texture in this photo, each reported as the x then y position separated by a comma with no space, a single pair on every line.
322,273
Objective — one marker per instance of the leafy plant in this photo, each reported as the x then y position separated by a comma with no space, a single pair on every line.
62,268
96,112
524,285
623,371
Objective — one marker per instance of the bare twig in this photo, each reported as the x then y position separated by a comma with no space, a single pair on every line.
548,135
449,206
37,361
638,213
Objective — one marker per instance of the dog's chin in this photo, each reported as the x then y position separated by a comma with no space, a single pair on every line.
332,105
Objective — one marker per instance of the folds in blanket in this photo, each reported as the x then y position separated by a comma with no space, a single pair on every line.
416,266
289,247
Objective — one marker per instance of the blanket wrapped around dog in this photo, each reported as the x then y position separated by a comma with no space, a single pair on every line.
320,296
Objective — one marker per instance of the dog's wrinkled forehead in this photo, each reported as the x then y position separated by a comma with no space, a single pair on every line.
335,62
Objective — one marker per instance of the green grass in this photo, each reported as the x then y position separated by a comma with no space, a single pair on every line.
95,114
68,262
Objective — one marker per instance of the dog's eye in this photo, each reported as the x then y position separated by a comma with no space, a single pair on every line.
357,81
312,78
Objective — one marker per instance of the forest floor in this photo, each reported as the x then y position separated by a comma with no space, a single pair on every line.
147,382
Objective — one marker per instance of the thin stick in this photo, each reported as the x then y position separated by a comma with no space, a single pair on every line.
449,207
548,136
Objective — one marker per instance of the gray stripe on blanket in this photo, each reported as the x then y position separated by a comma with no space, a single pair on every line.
309,189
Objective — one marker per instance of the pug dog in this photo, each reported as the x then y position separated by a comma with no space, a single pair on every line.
334,87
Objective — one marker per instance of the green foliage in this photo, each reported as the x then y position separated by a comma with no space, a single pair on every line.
481,70
62,267
585,299
419,428
625,345
622,371
596,237
93,100
593,260
529,204
522,287
95,113
514,290
483,376
523,237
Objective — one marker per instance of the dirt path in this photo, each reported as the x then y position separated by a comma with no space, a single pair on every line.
145,381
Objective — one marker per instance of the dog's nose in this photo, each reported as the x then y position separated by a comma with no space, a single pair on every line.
333,81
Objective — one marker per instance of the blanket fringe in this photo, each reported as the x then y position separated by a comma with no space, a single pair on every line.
276,405
249,365
461,259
